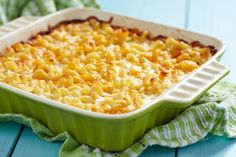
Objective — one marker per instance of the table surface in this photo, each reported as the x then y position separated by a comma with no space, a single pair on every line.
212,17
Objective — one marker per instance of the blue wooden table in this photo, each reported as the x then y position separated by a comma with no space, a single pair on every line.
213,17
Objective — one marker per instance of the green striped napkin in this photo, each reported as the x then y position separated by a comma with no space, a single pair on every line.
214,113
12,9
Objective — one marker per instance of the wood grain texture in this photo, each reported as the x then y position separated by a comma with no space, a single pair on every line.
9,134
29,145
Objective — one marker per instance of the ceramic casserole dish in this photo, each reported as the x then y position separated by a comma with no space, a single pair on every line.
112,132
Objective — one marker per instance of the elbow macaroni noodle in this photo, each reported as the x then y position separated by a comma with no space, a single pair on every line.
94,66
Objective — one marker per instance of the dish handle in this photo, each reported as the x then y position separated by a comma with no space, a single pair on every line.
190,89
16,24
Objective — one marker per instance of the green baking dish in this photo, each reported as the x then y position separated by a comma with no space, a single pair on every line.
110,132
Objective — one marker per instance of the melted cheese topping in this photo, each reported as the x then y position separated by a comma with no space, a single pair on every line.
97,67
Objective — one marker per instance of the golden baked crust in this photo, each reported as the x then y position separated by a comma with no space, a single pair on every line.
95,66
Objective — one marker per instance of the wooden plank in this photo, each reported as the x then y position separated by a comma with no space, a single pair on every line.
212,147
159,151
171,12
217,18
31,145
9,134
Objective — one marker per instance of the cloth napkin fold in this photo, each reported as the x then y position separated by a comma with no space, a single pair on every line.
214,113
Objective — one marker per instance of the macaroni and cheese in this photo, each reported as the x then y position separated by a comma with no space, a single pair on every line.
98,67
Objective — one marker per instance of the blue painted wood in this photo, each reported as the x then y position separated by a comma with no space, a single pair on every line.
30,145
211,147
9,133
159,151
217,18
171,12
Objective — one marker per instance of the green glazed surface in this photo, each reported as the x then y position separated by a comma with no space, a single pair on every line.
108,134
